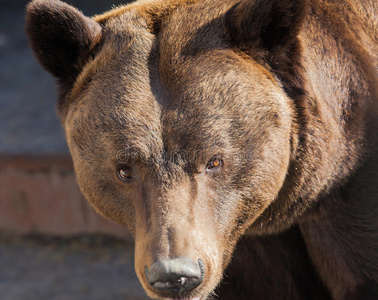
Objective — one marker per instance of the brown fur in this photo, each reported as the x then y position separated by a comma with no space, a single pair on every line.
285,92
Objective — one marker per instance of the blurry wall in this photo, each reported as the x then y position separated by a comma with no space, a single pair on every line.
38,191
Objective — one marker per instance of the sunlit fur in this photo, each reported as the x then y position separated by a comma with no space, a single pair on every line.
283,92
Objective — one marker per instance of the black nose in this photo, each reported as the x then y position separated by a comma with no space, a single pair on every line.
179,274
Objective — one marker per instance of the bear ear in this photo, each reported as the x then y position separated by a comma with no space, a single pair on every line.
265,24
61,37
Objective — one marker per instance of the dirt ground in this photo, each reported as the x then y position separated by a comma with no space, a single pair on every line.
85,268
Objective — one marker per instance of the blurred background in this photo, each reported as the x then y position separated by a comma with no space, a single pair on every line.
52,243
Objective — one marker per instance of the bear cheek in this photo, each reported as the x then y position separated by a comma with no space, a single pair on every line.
102,190
106,199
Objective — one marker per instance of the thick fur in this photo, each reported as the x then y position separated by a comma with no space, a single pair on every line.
284,92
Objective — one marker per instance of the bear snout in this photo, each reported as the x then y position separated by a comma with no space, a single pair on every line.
175,275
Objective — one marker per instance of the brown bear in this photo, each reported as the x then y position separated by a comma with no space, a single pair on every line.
236,139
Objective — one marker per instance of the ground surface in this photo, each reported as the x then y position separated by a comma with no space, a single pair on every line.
60,269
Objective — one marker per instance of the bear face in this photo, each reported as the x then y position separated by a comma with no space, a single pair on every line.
168,131
182,118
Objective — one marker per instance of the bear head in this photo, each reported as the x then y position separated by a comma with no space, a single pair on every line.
179,120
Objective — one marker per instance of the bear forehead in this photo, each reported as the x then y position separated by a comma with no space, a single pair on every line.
188,58
177,89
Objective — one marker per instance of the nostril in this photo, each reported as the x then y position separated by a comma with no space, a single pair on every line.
182,280
176,274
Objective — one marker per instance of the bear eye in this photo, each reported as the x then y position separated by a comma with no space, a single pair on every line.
214,164
124,173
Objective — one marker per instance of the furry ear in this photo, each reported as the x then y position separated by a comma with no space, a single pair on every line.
265,24
267,30
60,36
